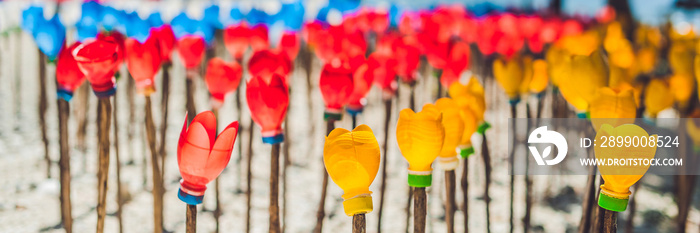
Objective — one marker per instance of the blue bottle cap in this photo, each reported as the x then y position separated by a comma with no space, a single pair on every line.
189,199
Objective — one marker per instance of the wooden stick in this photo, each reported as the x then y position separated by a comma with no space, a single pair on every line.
589,199
274,189
358,223
120,202
513,114
249,175
131,99
632,210
321,212
217,183
528,179
412,106
104,108
190,95
609,221
465,193
164,96
191,219
385,147
64,165
43,104
287,162
438,73
419,210
239,110
157,180
450,206
487,177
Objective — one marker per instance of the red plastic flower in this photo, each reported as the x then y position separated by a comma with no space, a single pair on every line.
336,87
222,78
382,67
201,155
259,38
68,75
362,84
166,41
191,50
97,59
266,62
236,40
117,38
457,62
407,56
268,102
143,61
289,44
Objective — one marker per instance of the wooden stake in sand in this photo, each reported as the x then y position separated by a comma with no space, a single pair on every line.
120,202
200,163
157,179
362,153
511,156
420,142
68,79
453,122
42,111
98,60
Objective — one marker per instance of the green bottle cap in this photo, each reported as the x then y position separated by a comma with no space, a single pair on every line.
420,181
332,116
483,127
611,203
466,152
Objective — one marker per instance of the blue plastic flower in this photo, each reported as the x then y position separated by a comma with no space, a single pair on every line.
292,14
31,17
395,14
86,31
91,13
257,17
211,16
112,18
137,28
155,20
50,36
183,25
236,16
205,30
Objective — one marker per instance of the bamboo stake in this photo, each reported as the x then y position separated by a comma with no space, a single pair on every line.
487,177
130,99
104,108
249,175
609,221
64,165
450,206
513,114
42,111
164,96
287,162
358,223
217,194
465,193
385,147
120,202
412,106
157,180
274,189
190,94
191,219
321,212
419,210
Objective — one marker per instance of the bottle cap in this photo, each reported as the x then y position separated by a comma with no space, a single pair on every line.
331,115
466,152
358,205
420,181
612,203
275,139
483,127
64,94
189,199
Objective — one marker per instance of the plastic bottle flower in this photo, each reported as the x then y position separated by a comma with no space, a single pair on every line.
68,75
222,78
50,36
352,161
540,78
268,101
407,57
166,41
97,59
420,137
191,50
381,66
509,74
266,62
201,155
457,62
613,106
362,84
236,40
336,87
614,193
584,75
454,130
658,97
470,127
143,62
470,96
289,44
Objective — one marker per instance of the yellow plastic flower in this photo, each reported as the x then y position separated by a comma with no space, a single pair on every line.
682,86
693,129
613,107
454,130
352,161
509,74
470,96
614,193
582,44
657,97
646,59
584,75
555,63
420,137
540,78
680,58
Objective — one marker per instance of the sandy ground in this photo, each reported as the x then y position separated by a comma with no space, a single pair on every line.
29,201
